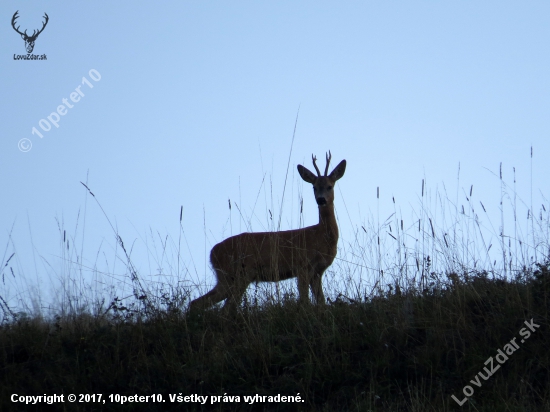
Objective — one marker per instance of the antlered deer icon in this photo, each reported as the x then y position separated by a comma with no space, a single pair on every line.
29,40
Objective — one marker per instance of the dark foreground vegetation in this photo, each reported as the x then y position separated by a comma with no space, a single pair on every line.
403,350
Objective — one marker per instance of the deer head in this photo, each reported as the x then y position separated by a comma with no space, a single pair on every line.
29,40
323,186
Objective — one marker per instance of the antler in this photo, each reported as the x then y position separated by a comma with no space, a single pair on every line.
315,164
34,33
15,16
43,25
329,156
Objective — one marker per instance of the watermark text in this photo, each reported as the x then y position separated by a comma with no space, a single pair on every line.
501,357
55,117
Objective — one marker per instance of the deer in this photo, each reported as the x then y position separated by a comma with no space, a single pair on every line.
29,40
304,253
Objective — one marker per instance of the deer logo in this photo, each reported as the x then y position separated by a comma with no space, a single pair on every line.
29,40
273,256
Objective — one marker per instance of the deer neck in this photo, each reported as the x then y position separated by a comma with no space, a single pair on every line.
327,222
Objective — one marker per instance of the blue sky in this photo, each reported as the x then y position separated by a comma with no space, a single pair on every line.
197,101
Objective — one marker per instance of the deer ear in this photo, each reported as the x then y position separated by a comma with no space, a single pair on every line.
338,171
306,174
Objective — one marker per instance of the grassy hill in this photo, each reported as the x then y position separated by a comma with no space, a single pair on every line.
400,350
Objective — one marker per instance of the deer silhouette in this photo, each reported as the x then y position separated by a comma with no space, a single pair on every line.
273,256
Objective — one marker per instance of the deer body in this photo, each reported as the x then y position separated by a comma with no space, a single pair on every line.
273,256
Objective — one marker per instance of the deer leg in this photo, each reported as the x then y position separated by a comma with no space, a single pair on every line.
235,296
217,294
211,298
316,284
203,301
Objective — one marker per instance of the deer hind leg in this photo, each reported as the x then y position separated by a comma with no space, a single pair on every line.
211,298
316,284
235,296
236,286
220,292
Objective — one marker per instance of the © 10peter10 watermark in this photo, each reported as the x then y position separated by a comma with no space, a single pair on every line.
54,118
501,358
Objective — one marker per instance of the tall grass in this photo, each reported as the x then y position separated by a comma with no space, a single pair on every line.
417,303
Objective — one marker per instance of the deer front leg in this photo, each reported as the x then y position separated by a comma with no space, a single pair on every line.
316,284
